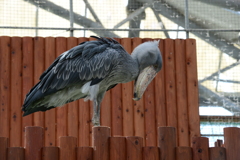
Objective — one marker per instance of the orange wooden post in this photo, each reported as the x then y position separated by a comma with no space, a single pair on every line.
139,119
33,143
68,148
100,141
169,59
3,148
16,92
50,153
117,148
127,95
73,106
151,153
192,88
232,142
161,113
182,110
27,78
200,147
84,153
183,153
217,153
134,148
4,85
167,142
38,117
50,115
16,153
61,114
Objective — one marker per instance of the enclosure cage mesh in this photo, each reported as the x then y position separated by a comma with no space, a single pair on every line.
214,24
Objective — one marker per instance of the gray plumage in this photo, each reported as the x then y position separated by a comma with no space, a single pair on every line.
88,71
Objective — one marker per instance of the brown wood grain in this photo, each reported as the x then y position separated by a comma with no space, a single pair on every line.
84,153
67,147
27,78
192,88
38,50
160,103
100,142
33,143
200,146
134,148
50,115
217,153
170,83
232,142
5,46
16,153
16,92
167,142
117,148
61,114
183,153
181,93
106,110
151,153
73,106
139,120
3,148
50,153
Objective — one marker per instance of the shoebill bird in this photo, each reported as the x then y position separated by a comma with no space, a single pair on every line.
89,70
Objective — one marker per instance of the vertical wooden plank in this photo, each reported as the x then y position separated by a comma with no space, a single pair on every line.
100,142
16,153
50,153
84,153
182,110
170,92
232,142
106,110
3,148
84,117
61,115
16,92
127,94
217,153
159,83
50,115
38,117
200,146
68,148
167,142
149,109
5,74
139,119
117,148
151,153
73,106
134,148
192,88
27,79
183,153
33,143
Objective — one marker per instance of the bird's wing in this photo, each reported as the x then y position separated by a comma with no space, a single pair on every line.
89,61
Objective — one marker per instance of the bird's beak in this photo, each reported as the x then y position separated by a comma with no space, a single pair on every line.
144,79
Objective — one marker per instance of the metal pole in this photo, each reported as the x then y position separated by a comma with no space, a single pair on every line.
71,17
36,20
186,19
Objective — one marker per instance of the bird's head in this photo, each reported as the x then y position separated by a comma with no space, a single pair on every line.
149,60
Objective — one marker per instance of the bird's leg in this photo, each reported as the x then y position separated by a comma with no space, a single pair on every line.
96,113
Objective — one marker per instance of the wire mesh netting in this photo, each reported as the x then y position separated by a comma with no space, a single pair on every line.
214,24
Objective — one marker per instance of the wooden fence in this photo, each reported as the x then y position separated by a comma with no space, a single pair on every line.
170,100
105,147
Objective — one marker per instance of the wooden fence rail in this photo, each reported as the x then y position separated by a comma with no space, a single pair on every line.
105,147
170,100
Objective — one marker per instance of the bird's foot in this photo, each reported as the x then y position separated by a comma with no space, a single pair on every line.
95,122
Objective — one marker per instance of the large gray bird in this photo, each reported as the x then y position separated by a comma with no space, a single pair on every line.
89,70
